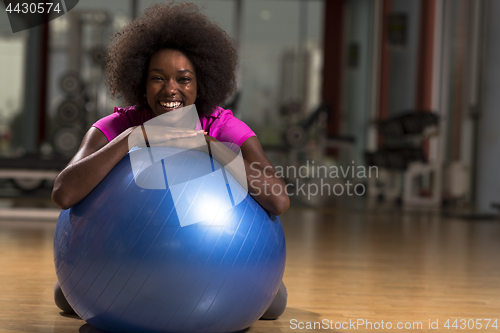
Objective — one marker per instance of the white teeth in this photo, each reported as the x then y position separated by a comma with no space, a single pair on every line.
170,104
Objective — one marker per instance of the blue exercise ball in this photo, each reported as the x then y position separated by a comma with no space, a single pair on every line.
177,246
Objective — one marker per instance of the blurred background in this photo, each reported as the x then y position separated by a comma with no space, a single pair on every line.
406,86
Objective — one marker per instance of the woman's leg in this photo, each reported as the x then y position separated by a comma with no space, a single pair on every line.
61,301
278,305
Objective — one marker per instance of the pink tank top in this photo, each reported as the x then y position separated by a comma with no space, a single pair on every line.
221,124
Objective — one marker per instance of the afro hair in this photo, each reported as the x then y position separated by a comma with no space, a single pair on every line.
176,26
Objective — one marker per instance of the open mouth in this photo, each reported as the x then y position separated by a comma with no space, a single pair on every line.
170,105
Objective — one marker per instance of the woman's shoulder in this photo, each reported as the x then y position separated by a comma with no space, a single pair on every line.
222,116
132,114
121,119
225,127
218,113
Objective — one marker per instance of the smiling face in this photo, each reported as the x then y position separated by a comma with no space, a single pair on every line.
170,82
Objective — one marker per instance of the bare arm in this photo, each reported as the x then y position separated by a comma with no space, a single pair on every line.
96,157
93,161
267,188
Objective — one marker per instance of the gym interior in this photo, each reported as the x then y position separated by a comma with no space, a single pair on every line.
378,114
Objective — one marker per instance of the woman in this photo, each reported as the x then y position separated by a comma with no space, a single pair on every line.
172,56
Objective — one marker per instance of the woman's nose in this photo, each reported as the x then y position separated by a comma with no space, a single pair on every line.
170,87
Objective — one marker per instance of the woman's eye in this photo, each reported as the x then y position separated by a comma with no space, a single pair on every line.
156,78
185,79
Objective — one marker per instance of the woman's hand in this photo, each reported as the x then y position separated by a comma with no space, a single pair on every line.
150,136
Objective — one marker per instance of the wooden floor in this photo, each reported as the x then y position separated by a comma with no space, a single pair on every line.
343,265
